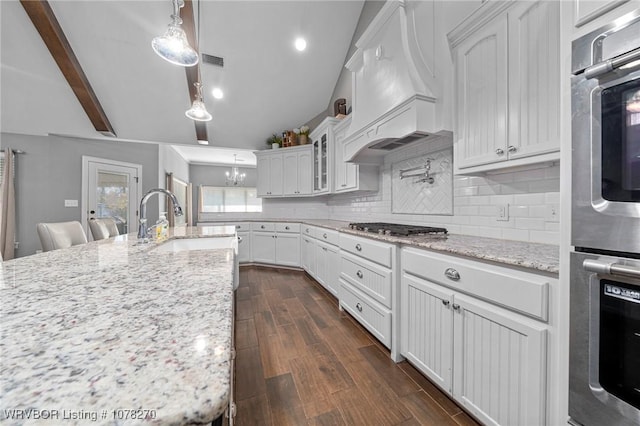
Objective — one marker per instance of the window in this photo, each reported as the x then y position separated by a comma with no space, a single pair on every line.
222,199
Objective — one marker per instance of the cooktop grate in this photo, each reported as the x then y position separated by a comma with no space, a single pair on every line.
397,229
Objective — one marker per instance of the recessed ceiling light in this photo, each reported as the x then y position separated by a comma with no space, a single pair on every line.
301,44
203,142
217,93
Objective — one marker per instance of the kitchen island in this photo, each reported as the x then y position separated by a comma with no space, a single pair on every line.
113,332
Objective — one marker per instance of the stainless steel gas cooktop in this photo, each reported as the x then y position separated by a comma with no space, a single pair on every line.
397,229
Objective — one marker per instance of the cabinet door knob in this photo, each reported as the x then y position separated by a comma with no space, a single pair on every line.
359,274
359,306
358,247
286,228
239,240
238,226
343,185
324,236
452,274
499,151
445,302
455,307
324,248
261,226
512,148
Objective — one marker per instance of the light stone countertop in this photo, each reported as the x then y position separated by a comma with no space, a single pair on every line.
536,256
112,325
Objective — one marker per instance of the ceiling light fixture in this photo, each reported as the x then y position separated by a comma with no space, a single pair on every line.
173,45
300,44
217,93
234,177
198,110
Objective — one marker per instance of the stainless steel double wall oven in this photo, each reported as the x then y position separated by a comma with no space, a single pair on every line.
604,382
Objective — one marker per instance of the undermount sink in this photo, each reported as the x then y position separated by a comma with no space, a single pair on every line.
182,244
185,244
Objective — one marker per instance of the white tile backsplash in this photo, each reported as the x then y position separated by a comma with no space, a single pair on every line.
474,198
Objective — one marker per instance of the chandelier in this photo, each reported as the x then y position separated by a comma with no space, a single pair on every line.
234,177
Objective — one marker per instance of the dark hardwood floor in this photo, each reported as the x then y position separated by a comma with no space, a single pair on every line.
300,361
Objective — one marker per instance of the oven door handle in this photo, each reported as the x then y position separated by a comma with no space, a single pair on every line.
609,65
615,269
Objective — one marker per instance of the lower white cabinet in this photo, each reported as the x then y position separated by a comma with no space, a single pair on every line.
321,256
244,247
276,243
368,289
327,260
490,359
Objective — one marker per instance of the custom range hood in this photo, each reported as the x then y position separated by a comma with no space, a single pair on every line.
394,89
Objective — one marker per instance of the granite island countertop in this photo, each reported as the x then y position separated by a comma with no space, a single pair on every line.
113,325
535,256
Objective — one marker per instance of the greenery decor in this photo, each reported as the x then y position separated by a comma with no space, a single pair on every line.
274,139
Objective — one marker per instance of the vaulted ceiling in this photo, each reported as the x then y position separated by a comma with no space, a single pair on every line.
268,85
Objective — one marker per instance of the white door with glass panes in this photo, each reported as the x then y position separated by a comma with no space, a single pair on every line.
110,189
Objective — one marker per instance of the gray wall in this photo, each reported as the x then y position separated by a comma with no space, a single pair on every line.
50,171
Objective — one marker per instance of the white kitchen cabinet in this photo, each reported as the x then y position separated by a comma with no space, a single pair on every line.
327,273
350,176
297,171
308,255
507,65
270,173
276,243
322,145
244,247
586,11
368,289
492,360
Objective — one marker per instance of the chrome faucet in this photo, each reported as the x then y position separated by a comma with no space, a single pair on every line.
143,231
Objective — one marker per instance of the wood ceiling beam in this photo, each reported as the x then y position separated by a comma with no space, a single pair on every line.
45,21
193,73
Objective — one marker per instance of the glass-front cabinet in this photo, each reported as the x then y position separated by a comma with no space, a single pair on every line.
321,138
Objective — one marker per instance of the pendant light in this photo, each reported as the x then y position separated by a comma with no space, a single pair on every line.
173,45
198,111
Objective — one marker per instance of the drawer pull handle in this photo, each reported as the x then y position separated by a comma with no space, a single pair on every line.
445,302
324,236
261,226
512,148
238,227
500,151
286,228
239,240
359,306
455,307
452,274
359,274
307,231
358,247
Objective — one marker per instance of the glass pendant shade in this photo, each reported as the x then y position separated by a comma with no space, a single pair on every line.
173,46
198,111
235,177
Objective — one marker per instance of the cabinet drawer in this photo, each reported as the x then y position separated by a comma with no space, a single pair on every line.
308,230
373,317
263,226
329,236
288,227
240,226
371,250
517,290
367,277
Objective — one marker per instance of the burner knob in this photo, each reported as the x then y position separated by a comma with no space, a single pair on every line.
387,232
381,231
366,229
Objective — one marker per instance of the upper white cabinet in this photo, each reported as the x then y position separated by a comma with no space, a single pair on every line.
297,163
322,142
350,176
508,86
270,173
586,11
